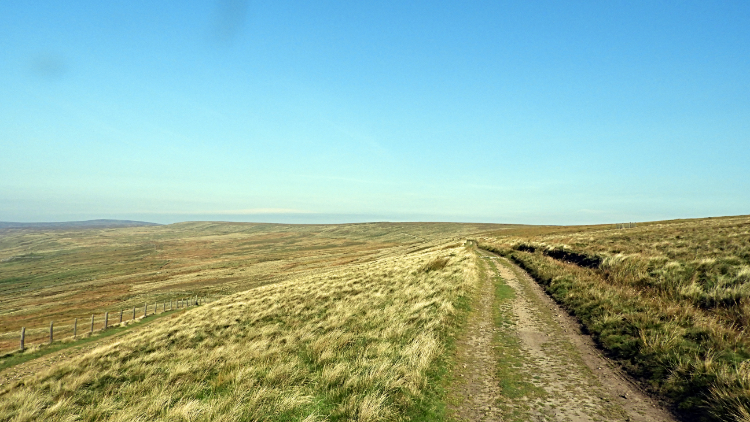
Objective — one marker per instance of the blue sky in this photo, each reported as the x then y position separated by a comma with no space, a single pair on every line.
326,111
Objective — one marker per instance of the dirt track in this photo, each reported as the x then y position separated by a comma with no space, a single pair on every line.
557,373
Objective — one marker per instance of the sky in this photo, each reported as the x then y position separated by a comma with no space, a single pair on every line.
536,112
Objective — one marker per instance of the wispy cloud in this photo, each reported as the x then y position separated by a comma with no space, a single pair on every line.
247,211
252,211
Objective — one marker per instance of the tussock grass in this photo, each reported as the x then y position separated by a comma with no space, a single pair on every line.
670,300
59,275
358,342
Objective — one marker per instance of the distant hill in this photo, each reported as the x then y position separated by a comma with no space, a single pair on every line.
76,224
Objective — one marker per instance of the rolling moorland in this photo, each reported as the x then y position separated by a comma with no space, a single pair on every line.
380,321
59,275
330,322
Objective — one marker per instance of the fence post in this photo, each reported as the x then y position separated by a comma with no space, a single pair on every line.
133,312
92,325
106,319
23,337
120,316
75,327
51,329
145,309
170,304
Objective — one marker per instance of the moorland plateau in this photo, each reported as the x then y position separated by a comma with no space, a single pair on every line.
361,321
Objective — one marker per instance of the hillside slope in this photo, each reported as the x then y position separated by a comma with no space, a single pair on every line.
359,341
60,275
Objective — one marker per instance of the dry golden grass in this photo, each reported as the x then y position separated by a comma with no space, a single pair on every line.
59,275
355,341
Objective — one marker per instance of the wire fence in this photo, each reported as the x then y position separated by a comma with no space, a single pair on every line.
625,225
86,327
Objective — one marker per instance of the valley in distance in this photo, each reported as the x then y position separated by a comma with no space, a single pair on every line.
127,320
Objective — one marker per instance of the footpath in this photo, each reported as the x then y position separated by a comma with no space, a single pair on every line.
523,358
